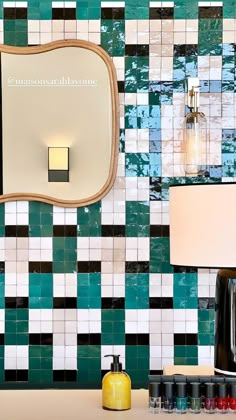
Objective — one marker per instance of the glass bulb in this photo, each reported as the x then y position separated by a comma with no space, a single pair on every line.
196,144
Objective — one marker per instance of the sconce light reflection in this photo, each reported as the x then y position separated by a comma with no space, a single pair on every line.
196,135
58,164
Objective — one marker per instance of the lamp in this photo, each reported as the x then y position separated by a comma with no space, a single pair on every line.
58,164
195,134
203,234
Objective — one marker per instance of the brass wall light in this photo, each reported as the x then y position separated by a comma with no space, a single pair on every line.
195,134
58,164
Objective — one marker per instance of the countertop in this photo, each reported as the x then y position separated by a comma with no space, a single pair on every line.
75,404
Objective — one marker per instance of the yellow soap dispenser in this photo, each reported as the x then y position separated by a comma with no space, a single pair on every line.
116,387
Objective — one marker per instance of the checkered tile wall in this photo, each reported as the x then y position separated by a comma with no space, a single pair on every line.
76,284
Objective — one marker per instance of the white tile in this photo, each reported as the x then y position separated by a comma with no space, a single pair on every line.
22,363
71,363
70,339
58,363
113,4
10,363
155,351
22,351
10,351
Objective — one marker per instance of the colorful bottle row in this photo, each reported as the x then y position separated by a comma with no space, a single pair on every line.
175,398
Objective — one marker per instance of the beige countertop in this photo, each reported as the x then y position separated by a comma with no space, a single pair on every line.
74,404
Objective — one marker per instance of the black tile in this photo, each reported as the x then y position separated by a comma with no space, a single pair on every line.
121,86
179,269
22,375
179,50
137,266
191,50
185,339
106,13
16,302
161,231
65,230
62,13
58,230
185,50
9,13
70,13
161,13
210,12
58,13
40,267
10,302
71,231
113,13
70,375
104,372
113,230
19,231
21,13
2,339
156,372
113,303
10,231
64,376
155,188
41,339
136,339
22,231
134,50
154,87
13,375
89,266
206,303
65,302
88,339
46,267
10,375
58,376
34,267
2,267
161,303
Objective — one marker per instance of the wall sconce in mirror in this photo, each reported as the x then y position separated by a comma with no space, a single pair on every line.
56,97
195,134
58,164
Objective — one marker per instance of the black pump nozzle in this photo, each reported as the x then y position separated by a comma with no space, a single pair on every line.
116,366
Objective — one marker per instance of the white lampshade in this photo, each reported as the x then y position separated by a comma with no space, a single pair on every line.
203,225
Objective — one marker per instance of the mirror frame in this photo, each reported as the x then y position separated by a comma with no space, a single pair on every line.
115,122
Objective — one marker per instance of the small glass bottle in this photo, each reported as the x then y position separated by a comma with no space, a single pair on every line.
195,398
232,398
154,398
168,397
181,398
222,400
210,399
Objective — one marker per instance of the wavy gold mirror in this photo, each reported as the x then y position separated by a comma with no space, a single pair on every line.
60,123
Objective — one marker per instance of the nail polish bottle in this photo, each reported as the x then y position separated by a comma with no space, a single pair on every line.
195,398
210,399
181,398
222,400
154,397
168,397
232,398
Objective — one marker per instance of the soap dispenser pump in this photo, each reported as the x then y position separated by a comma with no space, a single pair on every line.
116,387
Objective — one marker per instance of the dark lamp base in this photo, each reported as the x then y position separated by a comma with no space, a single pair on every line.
225,322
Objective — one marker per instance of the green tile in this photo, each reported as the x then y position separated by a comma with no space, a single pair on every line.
159,256
206,339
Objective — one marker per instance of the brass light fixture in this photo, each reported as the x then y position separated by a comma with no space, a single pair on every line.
58,164
195,134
